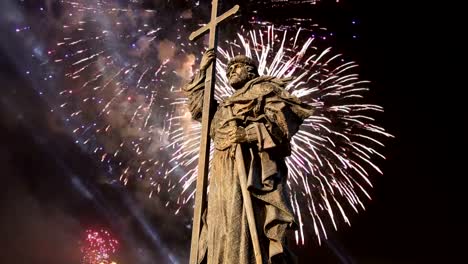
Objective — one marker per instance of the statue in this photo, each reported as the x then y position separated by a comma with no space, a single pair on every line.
256,122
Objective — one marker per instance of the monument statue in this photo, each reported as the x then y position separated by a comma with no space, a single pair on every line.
246,215
251,131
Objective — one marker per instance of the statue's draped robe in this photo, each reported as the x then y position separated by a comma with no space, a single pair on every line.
271,116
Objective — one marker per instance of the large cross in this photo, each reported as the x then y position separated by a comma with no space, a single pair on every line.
203,160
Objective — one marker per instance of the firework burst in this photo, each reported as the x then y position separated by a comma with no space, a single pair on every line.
331,160
98,247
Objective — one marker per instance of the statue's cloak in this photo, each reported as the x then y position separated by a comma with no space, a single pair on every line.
267,111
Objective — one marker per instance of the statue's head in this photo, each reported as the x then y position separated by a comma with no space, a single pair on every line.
240,70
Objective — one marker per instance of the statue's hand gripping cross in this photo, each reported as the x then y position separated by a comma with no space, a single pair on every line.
203,161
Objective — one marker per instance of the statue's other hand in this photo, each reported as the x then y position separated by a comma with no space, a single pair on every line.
207,59
237,135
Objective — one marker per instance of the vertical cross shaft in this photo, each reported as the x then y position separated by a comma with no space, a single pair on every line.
203,160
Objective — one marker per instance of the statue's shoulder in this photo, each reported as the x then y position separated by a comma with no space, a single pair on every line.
263,88
266,85
273,86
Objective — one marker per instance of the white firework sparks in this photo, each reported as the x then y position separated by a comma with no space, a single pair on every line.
332,153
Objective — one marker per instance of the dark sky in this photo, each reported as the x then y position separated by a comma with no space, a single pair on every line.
411,219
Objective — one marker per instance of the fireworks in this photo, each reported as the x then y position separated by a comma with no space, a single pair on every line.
121,101
98,247
118,86
331,154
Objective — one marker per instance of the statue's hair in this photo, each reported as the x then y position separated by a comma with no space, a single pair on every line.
242,59
253,69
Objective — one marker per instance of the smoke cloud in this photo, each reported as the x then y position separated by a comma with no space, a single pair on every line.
166,50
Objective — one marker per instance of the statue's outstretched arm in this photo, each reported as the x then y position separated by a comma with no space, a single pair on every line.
195,88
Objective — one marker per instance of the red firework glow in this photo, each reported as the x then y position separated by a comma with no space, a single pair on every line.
98,246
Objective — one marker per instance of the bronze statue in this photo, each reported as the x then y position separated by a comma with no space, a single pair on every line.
251,131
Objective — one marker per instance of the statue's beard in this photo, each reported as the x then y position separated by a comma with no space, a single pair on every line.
238,81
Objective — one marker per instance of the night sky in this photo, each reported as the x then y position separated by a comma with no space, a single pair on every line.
52,189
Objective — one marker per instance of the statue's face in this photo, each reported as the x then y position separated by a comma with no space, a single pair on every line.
238,75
